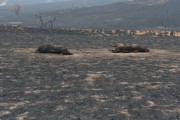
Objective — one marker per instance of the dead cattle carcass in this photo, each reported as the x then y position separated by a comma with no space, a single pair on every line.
53,49
128,48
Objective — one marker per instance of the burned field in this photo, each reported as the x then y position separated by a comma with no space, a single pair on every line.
91,84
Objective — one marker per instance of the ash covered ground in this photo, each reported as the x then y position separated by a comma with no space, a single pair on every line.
91,84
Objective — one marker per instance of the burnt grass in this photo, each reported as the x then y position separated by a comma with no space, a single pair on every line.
92,84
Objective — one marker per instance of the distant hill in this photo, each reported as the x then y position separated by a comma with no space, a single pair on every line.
126,15
37,6
148,2
122,15
31,7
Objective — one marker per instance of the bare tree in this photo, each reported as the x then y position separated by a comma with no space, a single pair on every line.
40,18
16,8
50,21
46,22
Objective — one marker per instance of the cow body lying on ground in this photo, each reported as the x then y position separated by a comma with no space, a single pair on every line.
128,48
53,49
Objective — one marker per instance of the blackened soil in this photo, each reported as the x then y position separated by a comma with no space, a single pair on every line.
91,84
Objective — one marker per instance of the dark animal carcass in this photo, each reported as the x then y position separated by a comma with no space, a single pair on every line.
53,49
128,49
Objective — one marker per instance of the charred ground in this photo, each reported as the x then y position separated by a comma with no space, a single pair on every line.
91,84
